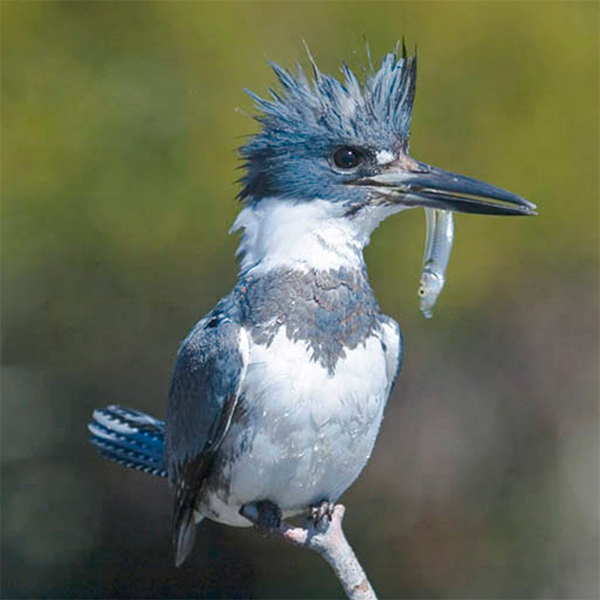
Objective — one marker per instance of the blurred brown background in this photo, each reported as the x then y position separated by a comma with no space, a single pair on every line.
119,130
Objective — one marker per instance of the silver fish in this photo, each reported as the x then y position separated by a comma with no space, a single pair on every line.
438,245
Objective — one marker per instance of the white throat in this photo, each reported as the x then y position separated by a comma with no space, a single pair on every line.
305,235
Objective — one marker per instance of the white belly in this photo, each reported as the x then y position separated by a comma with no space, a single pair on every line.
301,435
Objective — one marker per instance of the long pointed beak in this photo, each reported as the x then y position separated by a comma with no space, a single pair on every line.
418,184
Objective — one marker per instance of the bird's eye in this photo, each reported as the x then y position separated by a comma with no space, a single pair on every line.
347,157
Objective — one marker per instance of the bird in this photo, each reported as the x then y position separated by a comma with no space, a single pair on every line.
278,393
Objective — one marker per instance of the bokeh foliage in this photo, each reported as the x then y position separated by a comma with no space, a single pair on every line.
120,122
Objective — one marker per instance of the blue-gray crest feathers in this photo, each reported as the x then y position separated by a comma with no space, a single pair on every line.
323,111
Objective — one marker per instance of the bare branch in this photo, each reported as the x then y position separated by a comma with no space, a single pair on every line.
328,539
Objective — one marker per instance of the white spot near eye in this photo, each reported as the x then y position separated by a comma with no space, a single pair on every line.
384,157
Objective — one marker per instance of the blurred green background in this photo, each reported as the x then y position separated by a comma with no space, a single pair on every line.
120,122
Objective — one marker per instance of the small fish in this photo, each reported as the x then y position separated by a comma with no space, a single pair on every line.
438,245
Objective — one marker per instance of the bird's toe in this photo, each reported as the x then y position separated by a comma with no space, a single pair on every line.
323,510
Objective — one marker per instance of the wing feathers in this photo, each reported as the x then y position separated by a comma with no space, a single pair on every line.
208,375
189,487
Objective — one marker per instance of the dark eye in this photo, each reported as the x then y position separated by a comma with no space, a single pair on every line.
347,157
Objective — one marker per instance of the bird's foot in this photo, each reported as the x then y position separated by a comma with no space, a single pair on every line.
321,511
265,515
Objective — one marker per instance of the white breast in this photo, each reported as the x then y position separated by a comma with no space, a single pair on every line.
306,434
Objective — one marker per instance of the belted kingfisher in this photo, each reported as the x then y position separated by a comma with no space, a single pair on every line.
278,392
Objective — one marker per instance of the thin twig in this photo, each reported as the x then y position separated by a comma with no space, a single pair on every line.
328,539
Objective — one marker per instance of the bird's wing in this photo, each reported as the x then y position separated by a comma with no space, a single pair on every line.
207,379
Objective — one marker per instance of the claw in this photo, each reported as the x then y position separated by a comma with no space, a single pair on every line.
321,511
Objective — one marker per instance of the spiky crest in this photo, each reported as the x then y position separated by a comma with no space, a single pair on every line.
375,112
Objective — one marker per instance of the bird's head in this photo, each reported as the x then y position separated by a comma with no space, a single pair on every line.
347,143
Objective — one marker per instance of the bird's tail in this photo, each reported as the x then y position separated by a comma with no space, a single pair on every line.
130,438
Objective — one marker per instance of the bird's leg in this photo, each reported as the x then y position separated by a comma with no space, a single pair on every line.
265,515
320,511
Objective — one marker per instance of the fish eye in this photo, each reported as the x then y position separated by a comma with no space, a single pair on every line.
347,157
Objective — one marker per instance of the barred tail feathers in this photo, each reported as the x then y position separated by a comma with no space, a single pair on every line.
130,438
